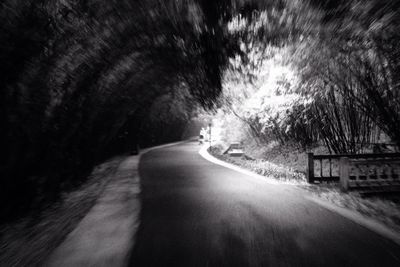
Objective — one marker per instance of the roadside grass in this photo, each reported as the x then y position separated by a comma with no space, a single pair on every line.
287,164
261,166
30,240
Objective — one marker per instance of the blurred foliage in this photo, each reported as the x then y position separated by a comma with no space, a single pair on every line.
81,80
85,79
354,76
345,60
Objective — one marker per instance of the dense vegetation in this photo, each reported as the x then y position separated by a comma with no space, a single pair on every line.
81,80
331,78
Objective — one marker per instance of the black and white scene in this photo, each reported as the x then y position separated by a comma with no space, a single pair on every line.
199,133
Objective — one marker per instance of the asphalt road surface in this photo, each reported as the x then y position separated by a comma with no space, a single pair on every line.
196,213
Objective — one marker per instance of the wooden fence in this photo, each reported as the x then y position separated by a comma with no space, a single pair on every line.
356,170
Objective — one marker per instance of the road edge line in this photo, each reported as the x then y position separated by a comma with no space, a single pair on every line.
53,258
360,219
146,150
372,225
207,156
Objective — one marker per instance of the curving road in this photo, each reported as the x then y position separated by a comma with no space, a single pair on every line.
196,213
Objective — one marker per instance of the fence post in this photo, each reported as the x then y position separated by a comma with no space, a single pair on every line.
344,173
310,168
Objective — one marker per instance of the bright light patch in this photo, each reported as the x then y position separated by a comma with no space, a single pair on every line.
274,89
237,24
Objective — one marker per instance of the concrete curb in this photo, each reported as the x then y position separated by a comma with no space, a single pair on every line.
356,217
105,236
204,153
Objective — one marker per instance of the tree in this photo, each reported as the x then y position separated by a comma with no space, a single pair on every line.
77,73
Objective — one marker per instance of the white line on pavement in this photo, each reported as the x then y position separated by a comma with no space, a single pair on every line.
356,217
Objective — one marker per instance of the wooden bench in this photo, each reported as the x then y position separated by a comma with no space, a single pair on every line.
234,150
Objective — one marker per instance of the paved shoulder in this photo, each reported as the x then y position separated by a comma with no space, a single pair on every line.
195,213
104,236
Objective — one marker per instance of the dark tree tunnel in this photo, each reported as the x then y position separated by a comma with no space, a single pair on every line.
83,80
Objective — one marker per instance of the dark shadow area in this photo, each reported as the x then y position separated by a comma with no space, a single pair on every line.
84,80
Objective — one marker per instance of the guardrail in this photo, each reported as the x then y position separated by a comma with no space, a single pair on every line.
319,174
356,170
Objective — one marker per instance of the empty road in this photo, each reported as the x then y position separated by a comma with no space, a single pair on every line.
196,213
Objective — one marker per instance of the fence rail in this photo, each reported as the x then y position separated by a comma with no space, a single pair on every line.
355,170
